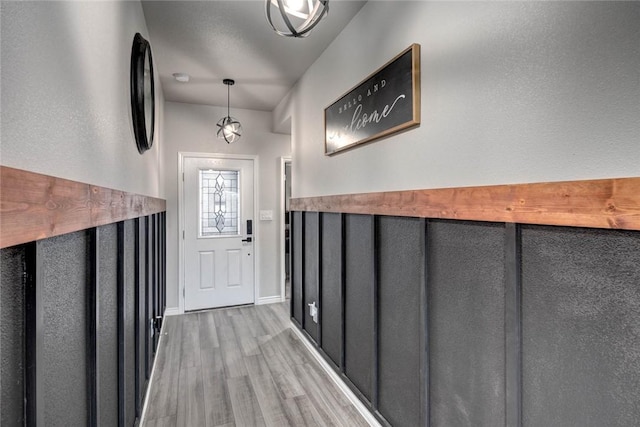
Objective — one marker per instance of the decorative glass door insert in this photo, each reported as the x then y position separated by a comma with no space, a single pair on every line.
219,203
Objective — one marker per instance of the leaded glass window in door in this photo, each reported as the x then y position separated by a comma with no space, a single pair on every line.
219,202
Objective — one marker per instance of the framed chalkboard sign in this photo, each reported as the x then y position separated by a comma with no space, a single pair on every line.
386,102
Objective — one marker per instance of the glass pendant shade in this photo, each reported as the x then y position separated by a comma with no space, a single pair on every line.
295,18
229,128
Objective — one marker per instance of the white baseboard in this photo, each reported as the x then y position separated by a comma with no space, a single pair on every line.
368,416
269,300
172,311
147,393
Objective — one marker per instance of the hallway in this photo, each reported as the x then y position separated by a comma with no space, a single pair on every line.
241,366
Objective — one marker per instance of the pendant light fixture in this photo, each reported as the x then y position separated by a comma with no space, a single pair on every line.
229,128
297,17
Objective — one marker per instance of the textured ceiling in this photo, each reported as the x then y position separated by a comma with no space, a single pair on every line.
213,40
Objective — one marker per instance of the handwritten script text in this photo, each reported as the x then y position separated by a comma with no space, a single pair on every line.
360,120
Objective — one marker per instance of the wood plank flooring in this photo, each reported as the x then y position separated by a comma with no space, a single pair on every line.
241,367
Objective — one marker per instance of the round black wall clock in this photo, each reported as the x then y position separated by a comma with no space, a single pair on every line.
142,93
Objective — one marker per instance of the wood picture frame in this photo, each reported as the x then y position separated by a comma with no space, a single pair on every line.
384,103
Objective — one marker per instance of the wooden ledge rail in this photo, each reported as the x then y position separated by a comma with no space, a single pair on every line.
35,206
603,203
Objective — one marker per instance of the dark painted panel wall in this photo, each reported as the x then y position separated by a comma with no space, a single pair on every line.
47,306
331,309
298,259
466,323
155,306
108,325
522,323
129,316
401,281
64,344
12,336
581,327
359,301
141,317
149,291
311,268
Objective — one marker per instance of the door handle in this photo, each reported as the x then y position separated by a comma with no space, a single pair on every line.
248,240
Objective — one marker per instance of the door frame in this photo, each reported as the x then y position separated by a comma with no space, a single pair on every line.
182,155
282,240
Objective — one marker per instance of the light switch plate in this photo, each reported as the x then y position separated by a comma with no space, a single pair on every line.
266,215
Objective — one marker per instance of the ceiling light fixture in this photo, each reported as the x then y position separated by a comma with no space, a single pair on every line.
181,77
298,16
229,128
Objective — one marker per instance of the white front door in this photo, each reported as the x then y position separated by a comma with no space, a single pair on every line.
218,234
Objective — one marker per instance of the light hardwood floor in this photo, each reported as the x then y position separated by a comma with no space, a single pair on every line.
241,367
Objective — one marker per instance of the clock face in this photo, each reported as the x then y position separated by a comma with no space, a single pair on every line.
142,93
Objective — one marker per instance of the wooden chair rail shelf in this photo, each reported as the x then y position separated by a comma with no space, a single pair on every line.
603,203
35,206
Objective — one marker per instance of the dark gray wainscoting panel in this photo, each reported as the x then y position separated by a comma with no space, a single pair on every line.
466,323
297,264
149,265
311,261
331,309
401,279
129,316
359,301
12,335
65,336
108,325
155,308
141,313
581,327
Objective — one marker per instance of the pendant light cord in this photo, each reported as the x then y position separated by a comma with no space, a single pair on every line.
229,128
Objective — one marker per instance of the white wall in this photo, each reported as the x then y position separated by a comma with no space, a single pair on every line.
512,92
192,128
66,107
